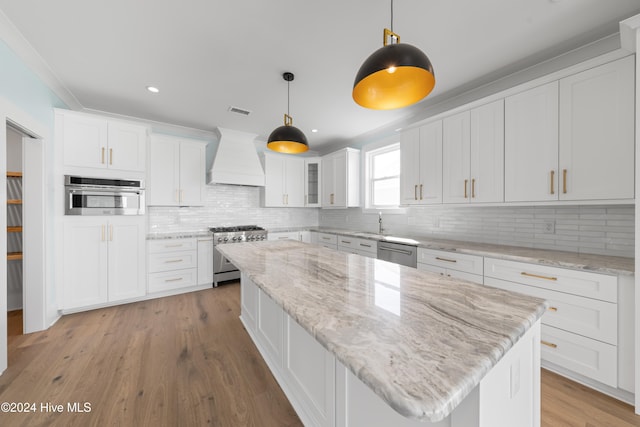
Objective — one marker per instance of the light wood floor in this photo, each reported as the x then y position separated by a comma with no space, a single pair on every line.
187,361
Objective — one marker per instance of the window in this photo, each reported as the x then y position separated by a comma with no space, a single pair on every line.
383,177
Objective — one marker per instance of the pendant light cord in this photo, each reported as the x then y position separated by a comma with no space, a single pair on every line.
288,82
392,16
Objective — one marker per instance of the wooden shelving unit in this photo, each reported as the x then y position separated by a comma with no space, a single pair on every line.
11,256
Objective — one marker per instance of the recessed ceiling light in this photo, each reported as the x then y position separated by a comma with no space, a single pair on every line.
314,130
153,89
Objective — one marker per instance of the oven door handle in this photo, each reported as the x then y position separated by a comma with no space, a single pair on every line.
400,251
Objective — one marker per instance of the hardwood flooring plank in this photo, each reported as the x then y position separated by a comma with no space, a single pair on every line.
187,360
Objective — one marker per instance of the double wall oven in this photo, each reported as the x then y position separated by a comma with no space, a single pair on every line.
223,269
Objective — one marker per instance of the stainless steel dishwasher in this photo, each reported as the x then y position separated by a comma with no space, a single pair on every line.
398,253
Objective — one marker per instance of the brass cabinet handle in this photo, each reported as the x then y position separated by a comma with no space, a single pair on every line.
564,181
446,259
171,261
287,198
182,195
325,238
178,279
102,157
465,188
552,308
537,276
548,344
415,192
365,245
110,156
332,198
420,191
346,242
552,175
111,233
103,233
473,188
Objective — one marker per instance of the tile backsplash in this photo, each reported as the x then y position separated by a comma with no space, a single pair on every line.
227,205
603,230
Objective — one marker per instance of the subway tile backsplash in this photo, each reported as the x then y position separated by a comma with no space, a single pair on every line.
604,230
227,205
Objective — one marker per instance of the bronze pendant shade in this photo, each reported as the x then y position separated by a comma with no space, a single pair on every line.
288,138
395,76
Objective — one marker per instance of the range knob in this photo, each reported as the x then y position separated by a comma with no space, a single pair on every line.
234,239
219,239
226,239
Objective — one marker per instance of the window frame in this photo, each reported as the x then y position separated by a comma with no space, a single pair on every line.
368,159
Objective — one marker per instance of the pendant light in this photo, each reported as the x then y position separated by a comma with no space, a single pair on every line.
395,76
288,138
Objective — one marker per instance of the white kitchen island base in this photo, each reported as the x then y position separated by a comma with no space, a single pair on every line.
326,393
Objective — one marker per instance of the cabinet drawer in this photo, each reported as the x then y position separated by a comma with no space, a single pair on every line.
475,278
451,260
168,280
591,318
357,244
284,235
172,261
584,356
582,283
171,245
326,238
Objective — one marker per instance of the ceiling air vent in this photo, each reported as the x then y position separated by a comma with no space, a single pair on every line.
238,110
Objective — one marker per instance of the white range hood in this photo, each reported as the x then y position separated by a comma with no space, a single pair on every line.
236,160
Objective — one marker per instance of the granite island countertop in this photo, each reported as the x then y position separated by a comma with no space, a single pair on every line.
576,261
420,341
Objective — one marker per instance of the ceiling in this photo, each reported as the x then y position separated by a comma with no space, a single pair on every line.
206,56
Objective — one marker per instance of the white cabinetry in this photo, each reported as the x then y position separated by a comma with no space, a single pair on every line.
421,165
473,155
586,330
284,235
597,133
103,260
341,179
91,141
284,181
573,139
205,260
355,245
531,145
327,240
176,172
450,264
312,177
173,264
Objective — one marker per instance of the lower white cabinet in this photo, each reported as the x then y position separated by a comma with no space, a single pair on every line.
327,240
173,264
104,260
450,264
587,331
205,261
354,245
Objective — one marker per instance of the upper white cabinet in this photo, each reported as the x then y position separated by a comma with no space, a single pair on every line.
531,145
341,179
597,133
573,139
312,174
473,155
176,172
284,181
421,165
96,142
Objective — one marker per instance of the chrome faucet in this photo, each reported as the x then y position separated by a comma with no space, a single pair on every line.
380,229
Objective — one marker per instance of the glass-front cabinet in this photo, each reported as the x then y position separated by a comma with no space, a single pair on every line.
312,182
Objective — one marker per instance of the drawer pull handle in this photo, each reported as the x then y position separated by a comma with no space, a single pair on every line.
548,344
445,259
415,192
420,191
172,261
538,276
326,238
366,246
552,186
345,242
173,246
178,279
465,188
552,308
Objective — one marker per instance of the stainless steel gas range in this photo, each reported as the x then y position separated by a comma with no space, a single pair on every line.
223,269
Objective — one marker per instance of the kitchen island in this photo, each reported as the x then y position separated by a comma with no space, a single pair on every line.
356,341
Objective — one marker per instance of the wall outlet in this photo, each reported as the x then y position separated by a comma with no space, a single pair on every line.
550,227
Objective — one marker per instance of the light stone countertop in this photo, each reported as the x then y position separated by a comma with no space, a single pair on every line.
420,341
575,261
158,235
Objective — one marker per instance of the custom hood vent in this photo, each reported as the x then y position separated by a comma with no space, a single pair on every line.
236,160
